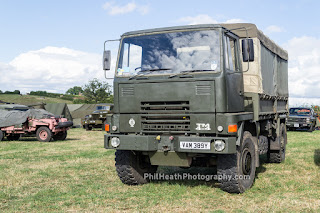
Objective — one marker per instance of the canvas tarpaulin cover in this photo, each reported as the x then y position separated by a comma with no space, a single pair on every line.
16,117
268,73
59,109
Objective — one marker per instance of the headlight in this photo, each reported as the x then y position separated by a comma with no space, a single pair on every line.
90,116
115,142
308,120
219,145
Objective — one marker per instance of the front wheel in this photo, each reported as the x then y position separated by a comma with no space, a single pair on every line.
132,168
311,129
236,172
61,136
44,134
88,127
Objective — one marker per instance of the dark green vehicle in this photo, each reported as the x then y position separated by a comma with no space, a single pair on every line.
201,95
97,118
302,118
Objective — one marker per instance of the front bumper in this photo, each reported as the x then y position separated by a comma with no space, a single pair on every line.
298,124
152,143
93,122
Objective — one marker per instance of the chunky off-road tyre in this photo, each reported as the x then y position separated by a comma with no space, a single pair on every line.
278,156
44,134
131,167
88,127
1,135
61,136
236,172
14,137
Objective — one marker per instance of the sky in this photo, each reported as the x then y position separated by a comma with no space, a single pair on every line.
55,45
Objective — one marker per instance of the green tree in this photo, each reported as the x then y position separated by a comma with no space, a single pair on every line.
97,92
1,92
74,90
16,92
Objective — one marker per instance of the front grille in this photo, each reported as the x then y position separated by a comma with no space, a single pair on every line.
297,120
203,89
165,123
165,107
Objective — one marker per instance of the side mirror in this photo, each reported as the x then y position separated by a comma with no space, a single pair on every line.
247,50
106,61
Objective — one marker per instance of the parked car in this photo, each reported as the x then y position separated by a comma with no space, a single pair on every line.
301,118
19,120
97,118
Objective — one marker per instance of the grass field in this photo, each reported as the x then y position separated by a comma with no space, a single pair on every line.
78,175
30,99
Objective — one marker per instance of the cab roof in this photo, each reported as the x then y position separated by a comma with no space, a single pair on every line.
243,30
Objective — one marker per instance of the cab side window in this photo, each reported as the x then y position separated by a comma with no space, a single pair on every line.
230,53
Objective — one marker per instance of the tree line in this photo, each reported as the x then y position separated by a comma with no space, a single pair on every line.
95,91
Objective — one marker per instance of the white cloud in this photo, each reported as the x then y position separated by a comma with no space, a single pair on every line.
304,63
114,9
53,69
205,19
297,102
235,20
274,29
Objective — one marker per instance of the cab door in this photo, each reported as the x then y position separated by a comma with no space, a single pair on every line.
233,73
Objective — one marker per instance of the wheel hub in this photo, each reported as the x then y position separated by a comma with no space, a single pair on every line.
246,162
43,135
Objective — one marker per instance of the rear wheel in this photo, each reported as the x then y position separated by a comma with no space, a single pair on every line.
1,135
60,136
13,137
132,167
278,156
44,134
236,172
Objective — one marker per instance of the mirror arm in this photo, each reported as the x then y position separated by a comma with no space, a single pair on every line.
104,49
105,75
104,45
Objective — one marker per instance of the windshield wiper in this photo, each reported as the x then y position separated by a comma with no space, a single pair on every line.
187,72
148,70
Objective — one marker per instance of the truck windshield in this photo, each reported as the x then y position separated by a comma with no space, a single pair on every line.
170,53
300,111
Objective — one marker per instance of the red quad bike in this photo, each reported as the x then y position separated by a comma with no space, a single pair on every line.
41,123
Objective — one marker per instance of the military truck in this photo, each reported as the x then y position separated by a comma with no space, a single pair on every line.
97,118
199,95
302,118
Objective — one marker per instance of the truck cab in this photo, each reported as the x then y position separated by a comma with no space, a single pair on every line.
179,100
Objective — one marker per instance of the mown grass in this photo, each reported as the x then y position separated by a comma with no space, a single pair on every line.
30,99
79,175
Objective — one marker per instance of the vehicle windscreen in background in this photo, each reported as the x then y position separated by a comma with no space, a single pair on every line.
103,107
168,53
299,111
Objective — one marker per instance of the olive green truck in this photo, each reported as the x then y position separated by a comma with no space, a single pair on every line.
198,95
